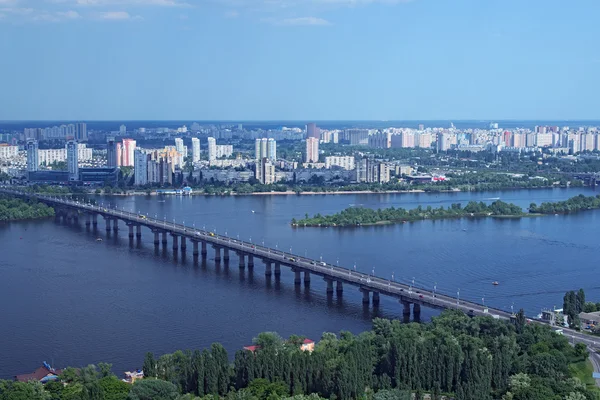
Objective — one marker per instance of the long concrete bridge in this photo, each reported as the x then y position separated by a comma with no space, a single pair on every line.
336,277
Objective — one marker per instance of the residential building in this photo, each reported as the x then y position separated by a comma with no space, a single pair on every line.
265,148
544,139
128,151
7,152
123,130
33,161
372,171
380,140
72,160
195,149
272,149
312,131
345,162
424,140
312,150
111,152
224,150
265,171
212,148
181,149
80,132
140,167
51,156
358,137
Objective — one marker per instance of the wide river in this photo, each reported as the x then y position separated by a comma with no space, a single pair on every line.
69,299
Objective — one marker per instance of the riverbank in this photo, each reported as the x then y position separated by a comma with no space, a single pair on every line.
12,209
360,216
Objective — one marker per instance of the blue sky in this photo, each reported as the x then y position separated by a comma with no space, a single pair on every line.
299,59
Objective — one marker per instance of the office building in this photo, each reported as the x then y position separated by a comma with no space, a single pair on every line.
127,152
33,162
312,131
123,130
72,160
345,162
212,148
111,153
312,150
195,150
80,131
140,167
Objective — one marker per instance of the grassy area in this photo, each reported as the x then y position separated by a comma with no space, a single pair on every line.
583,370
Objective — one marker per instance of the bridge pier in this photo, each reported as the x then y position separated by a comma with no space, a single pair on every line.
406,310
242,258
416,312
164,238
297,277
204,252
217,254
95,221
250,261
339,288
277,269
107,220
306,278
130,231
268,268
195,246
226,254
175,241
115,225
183,244
156,238
88,221
366,299
329,286
138,231
375,298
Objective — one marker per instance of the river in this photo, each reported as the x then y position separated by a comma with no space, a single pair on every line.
71,300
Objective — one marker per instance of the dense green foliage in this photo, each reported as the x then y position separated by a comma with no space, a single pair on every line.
476,358
354,216
12,209
573,304
577,203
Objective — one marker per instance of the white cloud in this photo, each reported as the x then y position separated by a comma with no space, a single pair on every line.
300,21
114,15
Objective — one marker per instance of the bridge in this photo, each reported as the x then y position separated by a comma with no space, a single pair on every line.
336,277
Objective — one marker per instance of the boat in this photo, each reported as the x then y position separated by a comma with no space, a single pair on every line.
253,211
495,283
98,239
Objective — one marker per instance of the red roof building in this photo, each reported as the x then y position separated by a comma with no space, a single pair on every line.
251,348
42,374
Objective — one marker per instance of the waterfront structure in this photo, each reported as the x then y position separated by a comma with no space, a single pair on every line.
345,162
195,149
140,167
312,150
111,152
33,162
212,148
312,131
72,160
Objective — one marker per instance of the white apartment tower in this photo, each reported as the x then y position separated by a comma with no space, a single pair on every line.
195,150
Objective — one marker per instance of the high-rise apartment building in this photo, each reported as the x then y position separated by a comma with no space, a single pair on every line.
195,150
181,149
73,160
80,132
111,152
372,171
312,131
358,137
265,148
140,167
345,162
122,130
33,162
265,171
380,140
128,151
212,148
312,150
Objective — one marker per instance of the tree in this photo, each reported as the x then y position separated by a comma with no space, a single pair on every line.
114,388
153,389
520,321
149,366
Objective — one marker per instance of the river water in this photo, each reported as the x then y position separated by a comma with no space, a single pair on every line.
68,299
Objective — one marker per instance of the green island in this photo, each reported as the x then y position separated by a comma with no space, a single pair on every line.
12,209
453,357
361,216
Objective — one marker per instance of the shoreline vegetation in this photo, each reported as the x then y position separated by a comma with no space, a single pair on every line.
12,209
452,357
361,216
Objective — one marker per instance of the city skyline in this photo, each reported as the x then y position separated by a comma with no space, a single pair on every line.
321,60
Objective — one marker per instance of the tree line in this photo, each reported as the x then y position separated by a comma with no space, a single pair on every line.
464,358
12,209
574,204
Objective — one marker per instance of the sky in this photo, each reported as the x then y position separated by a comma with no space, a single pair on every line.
299,59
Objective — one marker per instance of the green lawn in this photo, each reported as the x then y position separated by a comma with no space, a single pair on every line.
583,370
